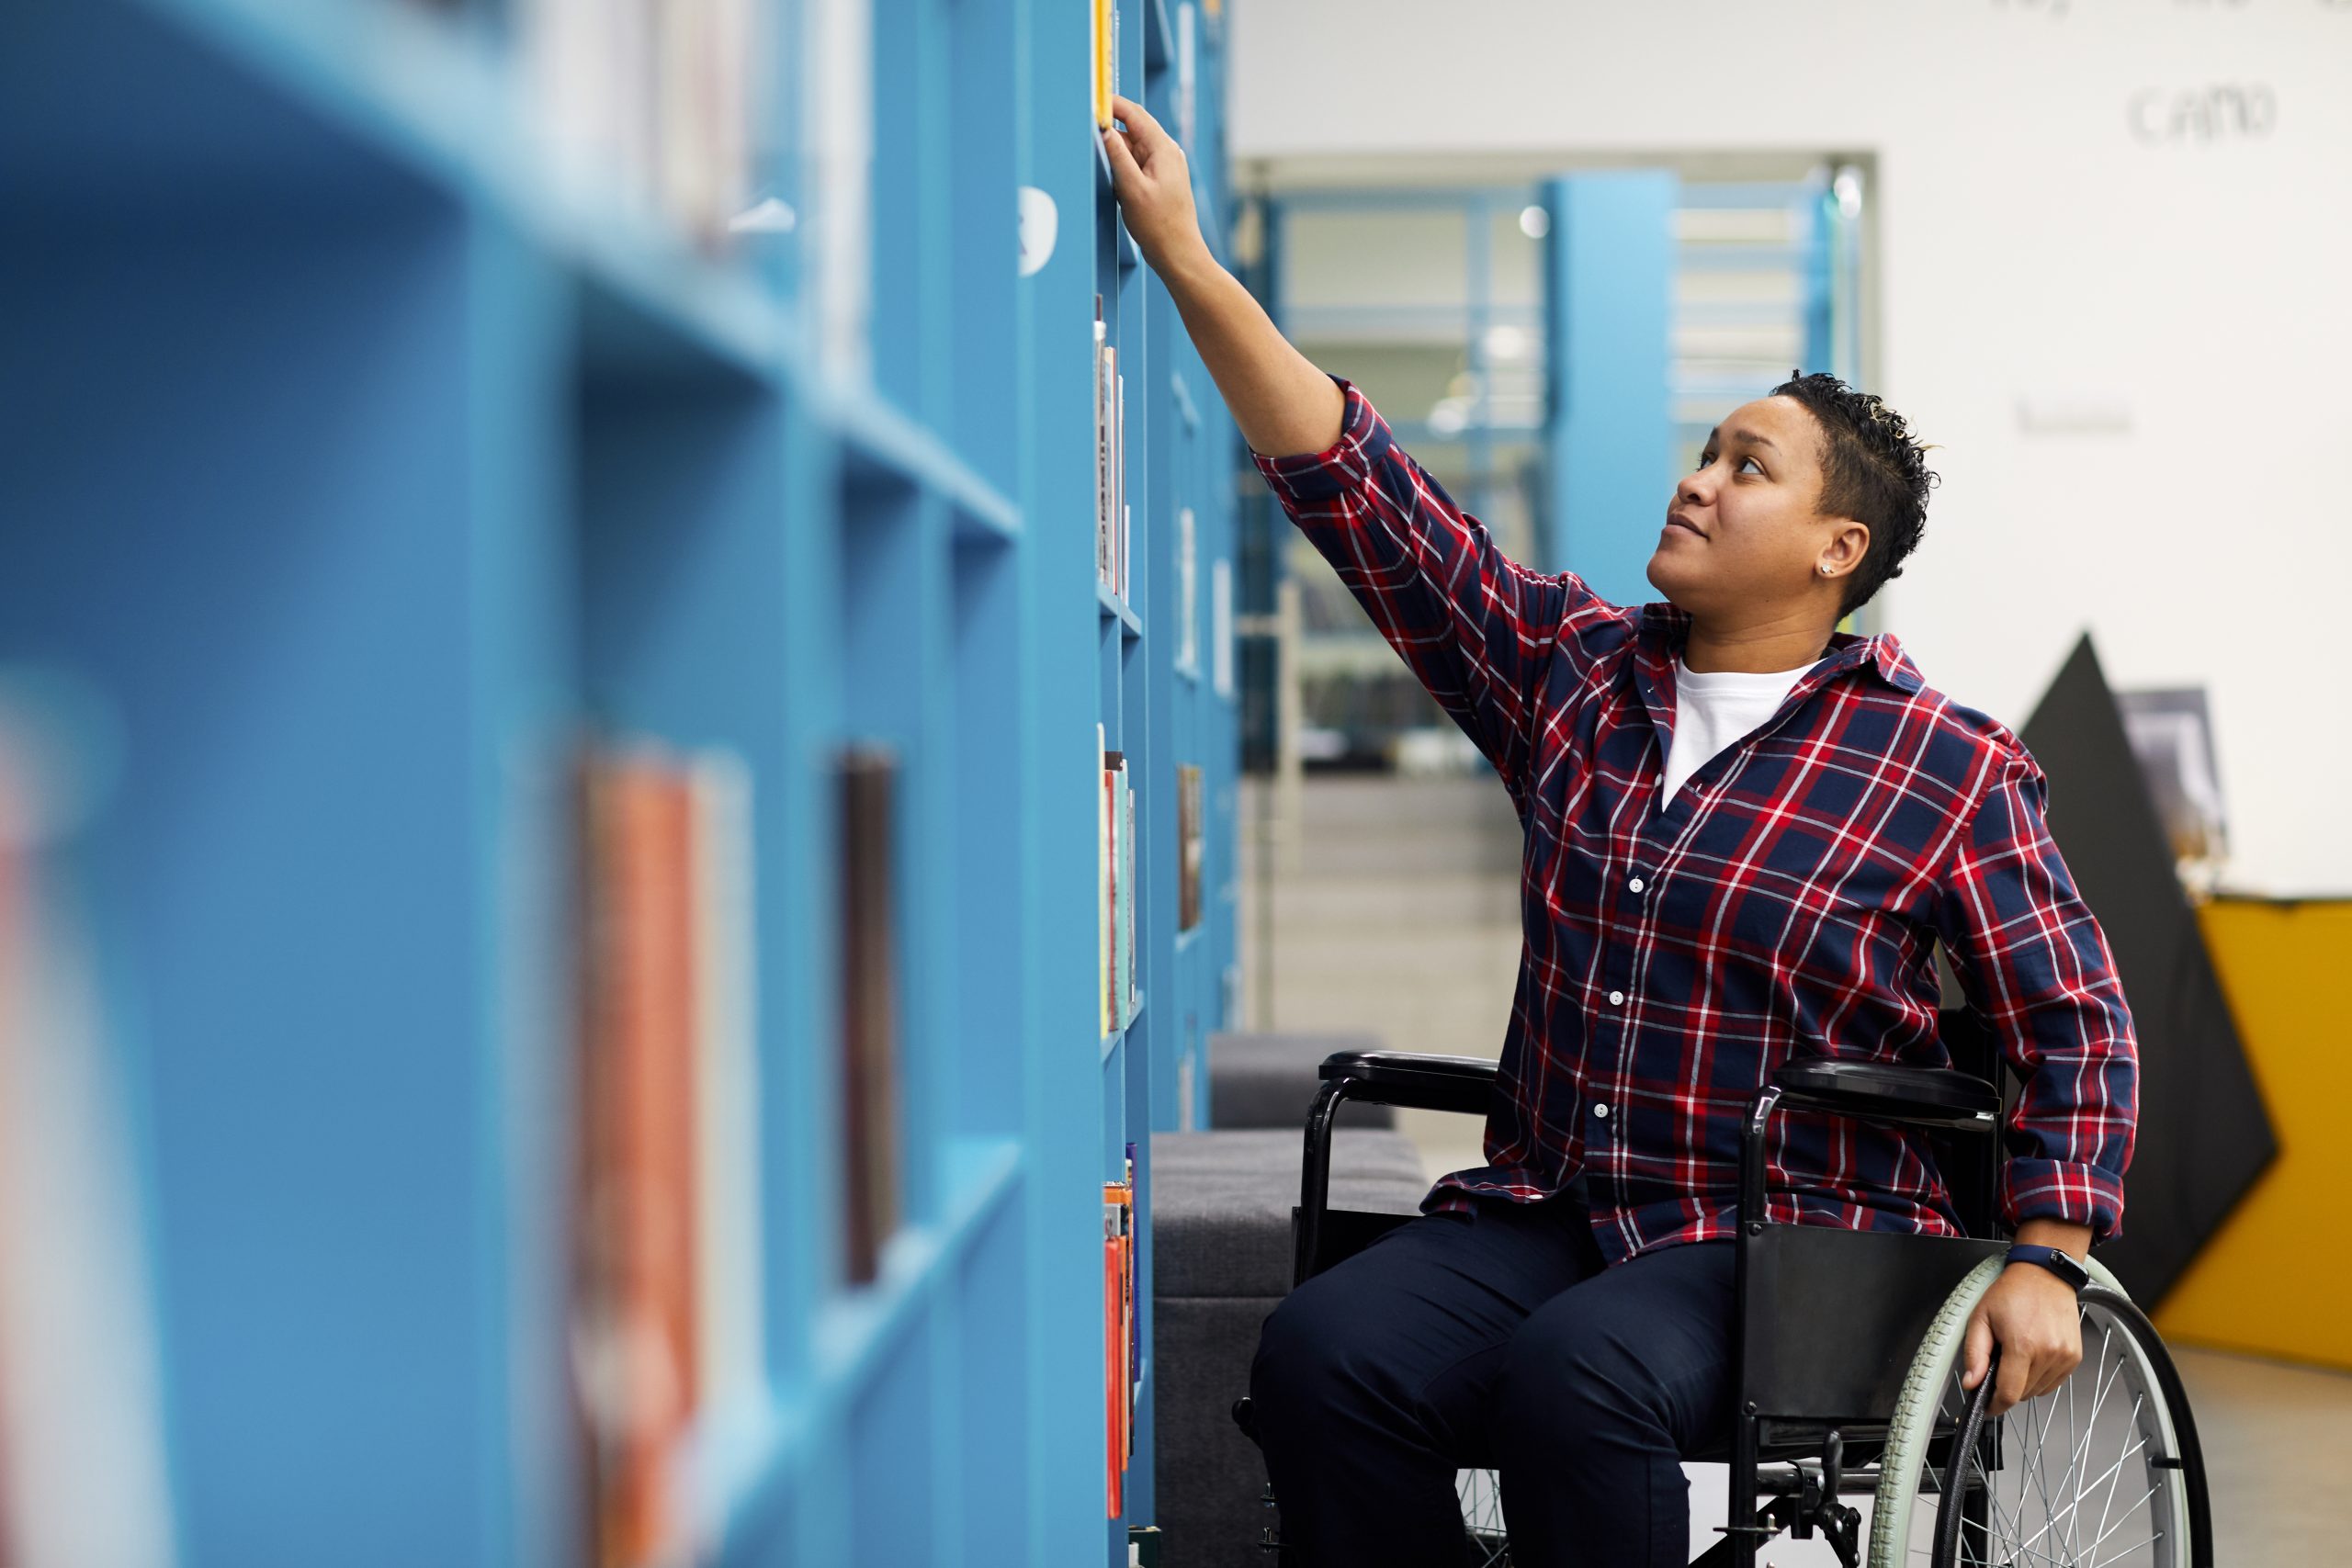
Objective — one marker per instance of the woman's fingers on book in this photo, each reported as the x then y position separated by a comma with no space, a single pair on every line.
1122,155
1139,118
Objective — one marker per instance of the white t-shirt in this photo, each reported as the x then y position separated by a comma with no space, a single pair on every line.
1713,711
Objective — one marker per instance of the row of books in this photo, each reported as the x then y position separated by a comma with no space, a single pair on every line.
666,1302
1105,56
1122,1348
1116,823
653,99
1110,510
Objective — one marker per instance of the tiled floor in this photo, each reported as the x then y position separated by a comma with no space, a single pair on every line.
1401,918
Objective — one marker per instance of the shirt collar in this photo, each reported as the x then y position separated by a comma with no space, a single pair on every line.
1665,628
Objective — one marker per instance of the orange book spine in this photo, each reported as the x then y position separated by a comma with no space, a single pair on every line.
1114,1374
640,1176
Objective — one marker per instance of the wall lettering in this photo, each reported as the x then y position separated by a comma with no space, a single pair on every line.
2169,117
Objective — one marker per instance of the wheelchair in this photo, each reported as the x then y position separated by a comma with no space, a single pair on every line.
1848,1352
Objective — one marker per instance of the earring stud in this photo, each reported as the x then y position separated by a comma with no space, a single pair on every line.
1824,571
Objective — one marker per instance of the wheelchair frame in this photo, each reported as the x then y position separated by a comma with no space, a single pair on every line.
1796,1395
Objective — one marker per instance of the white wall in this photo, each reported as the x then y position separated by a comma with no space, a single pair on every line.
2031,248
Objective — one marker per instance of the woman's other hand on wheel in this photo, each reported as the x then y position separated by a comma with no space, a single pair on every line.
1154,186
2032,1313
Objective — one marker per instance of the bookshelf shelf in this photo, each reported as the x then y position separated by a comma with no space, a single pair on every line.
883,441
468,482
1114,608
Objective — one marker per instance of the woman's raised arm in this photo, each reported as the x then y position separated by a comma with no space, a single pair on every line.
1284,406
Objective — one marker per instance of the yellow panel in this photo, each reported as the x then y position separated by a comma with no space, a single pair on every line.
2277,1280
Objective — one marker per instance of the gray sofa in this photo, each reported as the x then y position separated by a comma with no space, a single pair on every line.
1221,1243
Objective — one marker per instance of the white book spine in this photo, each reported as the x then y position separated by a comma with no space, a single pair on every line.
841,120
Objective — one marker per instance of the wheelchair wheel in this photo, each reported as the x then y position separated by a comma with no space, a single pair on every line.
2103,1470
1482,1518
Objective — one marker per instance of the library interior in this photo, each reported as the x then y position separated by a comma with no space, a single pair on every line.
837,782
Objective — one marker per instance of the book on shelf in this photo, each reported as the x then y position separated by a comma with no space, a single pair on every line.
1104,860
1103,53
1102,448
1187,75
1127,901
1110,466
870,1003
653,104
666,1305
1134,1338
1189,845
84,1468
838,164
1119,484
725,978
1118,804
1122,1343
1114,1472
1221,627
1188,650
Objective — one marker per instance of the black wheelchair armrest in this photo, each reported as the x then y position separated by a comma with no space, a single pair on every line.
1936,1096
1463,1084
1881,1091
1403,1077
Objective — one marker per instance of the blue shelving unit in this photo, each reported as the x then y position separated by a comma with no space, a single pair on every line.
350,468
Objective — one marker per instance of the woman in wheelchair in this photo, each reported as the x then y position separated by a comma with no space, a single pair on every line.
1746,834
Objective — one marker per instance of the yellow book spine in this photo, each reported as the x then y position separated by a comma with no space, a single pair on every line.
1103,64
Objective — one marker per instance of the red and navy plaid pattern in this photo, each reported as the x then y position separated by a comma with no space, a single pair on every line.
1784,905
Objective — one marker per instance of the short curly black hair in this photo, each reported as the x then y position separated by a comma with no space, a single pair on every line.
1871,470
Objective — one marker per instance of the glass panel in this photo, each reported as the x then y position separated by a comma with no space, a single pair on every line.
1375,256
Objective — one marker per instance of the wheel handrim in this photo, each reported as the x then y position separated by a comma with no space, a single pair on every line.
2077,1483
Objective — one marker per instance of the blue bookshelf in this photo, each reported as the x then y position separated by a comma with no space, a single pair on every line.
350,466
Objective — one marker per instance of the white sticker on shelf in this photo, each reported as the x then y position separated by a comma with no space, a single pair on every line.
1041,223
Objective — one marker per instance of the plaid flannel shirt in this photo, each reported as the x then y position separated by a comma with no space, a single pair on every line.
1784,905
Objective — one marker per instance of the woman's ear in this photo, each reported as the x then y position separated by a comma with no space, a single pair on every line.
1847,543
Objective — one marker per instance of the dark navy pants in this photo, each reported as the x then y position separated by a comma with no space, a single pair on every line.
1495,1341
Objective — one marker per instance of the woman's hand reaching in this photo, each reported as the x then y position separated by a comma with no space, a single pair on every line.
1282,404
1154,185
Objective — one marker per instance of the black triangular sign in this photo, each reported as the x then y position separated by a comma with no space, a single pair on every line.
2203,1133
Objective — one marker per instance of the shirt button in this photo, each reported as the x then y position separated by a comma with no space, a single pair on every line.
1616,999
1602,1112
1635,885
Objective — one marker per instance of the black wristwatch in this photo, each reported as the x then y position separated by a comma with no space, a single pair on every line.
2058,1262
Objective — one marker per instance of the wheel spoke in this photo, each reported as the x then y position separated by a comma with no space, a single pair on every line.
2118,1472
2010,1526
2110,1475
2128,1513
2040,1476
